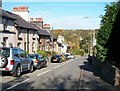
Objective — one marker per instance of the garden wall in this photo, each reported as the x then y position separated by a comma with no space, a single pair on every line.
108,72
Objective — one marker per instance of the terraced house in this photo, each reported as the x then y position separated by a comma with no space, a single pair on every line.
18,30
7,29
15,31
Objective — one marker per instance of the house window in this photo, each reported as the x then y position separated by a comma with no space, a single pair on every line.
19,44
4,43
19,33
5,21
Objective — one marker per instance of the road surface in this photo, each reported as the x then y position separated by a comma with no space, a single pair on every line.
73,74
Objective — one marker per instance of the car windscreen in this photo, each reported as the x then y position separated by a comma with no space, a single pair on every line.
57,56
32,56
5,51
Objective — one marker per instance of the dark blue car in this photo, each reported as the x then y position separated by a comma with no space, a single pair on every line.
56,58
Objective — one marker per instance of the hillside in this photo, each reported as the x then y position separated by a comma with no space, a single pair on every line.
77,39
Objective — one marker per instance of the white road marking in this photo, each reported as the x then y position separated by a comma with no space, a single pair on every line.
57,66
16,85
43,72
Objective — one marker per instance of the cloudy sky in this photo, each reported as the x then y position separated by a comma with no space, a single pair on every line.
64,15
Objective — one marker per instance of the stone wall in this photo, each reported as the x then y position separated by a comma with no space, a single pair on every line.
108,72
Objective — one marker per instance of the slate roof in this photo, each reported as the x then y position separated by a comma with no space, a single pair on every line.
6,14
53,37
46,32
22,23
19,21
41,31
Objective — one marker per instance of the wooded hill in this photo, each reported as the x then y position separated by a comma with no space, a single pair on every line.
77,39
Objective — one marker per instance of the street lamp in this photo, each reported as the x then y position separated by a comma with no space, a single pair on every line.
93,43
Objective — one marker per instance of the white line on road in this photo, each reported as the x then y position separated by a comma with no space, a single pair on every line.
43,72
16,85
57,66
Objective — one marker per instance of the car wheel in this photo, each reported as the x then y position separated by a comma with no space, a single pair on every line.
3,61
31,68
17,72
39,66
45,65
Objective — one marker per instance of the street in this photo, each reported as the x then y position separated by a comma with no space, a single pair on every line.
72,74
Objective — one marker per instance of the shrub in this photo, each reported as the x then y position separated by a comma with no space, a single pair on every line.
82,52
43,53
78,52
46,53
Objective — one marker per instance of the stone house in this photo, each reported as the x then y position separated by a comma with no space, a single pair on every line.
17,32
7,33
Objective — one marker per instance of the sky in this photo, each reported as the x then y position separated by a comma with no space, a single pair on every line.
64,15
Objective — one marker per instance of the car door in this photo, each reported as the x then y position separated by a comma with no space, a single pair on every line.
41,60
23,58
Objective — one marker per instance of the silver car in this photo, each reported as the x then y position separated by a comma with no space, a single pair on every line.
15,61
38,60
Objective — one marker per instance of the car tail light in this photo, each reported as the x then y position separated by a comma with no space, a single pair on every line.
12,62
37,61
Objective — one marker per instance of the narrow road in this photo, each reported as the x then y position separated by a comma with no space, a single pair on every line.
73,74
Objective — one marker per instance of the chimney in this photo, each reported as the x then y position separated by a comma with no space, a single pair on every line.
22,11
46,26
38,21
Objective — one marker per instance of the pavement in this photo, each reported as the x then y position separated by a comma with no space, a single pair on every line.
74,74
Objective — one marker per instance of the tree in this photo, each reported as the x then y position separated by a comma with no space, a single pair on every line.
105,30
85,43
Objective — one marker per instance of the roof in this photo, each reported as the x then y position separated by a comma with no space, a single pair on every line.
6,14
19,21
41,31
22,23
53,37
46,32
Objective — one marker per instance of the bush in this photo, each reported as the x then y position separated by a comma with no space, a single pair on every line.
78,52
46,53
82,52
43,53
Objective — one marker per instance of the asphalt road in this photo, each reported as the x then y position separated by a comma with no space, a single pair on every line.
74,74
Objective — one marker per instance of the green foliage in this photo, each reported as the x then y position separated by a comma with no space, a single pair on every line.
106,26
26,52
72,38
43,53
85,43
46,53
78,52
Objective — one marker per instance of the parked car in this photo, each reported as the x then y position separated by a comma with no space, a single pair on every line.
15,61
38,60
69,56
56,58
66,56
